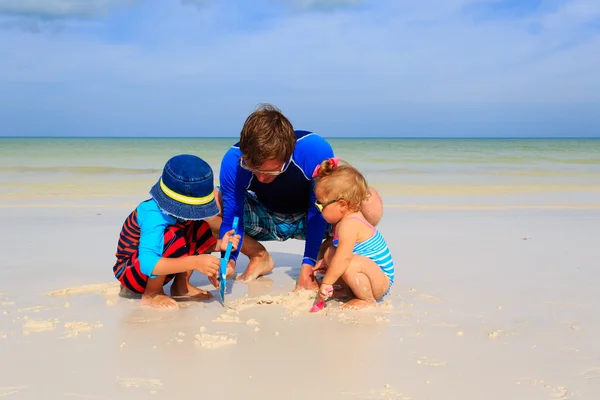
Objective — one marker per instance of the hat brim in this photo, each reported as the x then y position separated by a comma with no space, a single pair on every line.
181,210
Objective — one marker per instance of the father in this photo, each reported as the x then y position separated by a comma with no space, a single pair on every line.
266,181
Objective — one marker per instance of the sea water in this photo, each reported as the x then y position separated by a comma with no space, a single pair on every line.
407,170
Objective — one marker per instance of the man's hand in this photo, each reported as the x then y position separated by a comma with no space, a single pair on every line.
229,237
320,267
307,279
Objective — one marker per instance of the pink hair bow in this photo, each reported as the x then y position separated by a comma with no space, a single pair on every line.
334,160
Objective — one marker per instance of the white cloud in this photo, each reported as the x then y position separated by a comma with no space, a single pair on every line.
59,8
406,53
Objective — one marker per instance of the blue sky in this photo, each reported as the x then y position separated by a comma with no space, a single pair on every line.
337,67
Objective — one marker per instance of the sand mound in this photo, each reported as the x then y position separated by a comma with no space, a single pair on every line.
295,303
98,288
214,341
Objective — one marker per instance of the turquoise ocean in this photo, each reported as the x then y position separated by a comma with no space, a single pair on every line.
407,171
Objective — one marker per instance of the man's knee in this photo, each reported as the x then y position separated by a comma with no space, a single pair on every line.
372,208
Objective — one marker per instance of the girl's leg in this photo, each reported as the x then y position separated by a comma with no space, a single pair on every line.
367,281
341,289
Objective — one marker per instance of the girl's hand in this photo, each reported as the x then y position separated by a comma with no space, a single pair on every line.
229,237
325,291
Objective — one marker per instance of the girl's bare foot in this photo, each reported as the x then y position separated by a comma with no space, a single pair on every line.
258,266
357,304
159,300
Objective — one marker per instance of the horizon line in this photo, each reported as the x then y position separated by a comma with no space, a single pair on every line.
325,137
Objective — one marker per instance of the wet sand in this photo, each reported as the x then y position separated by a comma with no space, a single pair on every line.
489,303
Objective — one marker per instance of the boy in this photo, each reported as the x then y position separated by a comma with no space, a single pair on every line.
167,238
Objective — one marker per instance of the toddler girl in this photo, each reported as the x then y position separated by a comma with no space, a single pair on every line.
359,254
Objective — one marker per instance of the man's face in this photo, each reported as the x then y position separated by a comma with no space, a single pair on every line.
268,171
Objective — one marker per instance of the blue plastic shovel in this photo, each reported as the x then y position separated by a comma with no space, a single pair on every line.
224,261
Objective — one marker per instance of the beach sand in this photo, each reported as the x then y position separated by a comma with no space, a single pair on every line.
489,303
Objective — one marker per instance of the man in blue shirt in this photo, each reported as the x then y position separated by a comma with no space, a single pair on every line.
266,181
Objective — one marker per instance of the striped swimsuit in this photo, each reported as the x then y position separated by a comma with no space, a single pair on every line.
376,249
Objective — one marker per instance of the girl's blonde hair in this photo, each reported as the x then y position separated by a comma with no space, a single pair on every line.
341,181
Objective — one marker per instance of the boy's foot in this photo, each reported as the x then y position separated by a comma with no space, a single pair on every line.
357,304
258,266
159,300
189,292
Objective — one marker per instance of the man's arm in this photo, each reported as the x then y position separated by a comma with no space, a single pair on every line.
311,151
233,182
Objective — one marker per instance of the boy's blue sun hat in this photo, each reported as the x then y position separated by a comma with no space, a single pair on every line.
186,188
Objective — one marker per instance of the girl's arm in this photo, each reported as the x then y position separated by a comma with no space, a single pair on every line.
347,235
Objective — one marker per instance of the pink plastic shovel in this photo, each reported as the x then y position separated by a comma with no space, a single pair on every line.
319,305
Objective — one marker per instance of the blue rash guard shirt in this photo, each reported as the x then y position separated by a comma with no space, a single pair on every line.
153,223
290,192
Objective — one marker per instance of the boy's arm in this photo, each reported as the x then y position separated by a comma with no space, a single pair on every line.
152,236
233,182
153,224
204,263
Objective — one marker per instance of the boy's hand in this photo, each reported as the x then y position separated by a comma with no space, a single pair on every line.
230,273
208,265
229,237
